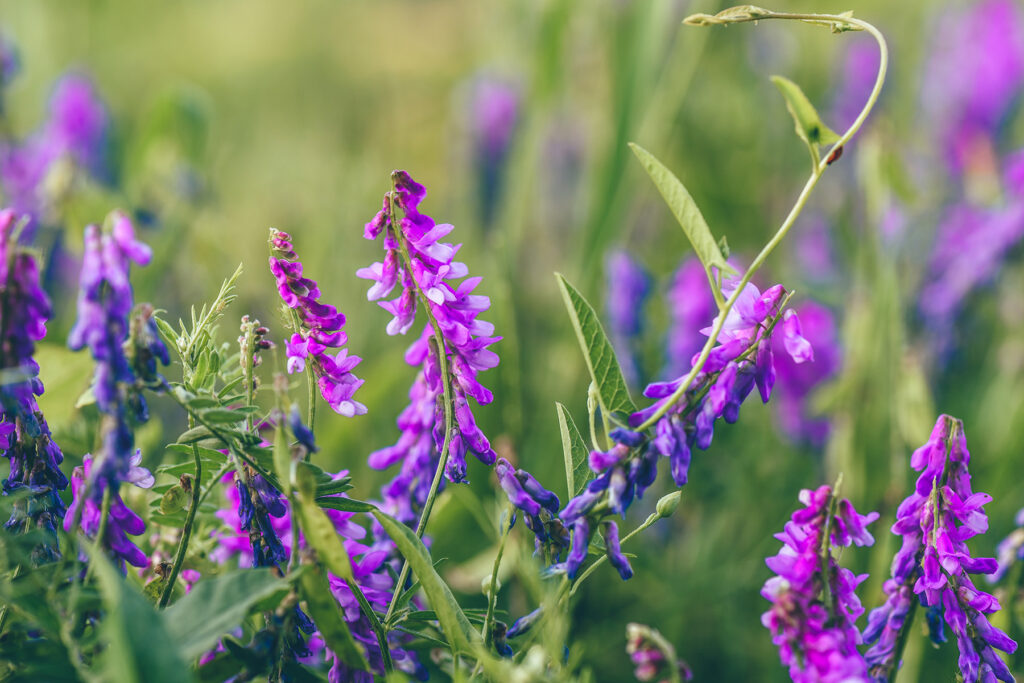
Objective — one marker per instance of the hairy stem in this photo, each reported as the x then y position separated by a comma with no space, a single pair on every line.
492,593
375,624
186,531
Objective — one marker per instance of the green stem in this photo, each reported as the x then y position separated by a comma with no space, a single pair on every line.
378,628
492,593
186,531
798,207
446,382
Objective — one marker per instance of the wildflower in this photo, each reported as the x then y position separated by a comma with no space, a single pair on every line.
653,657
796,381
319,329
935,563
690,307
424,267
120,522
814,602
75,131
627,289
539,506
24,434
1010,549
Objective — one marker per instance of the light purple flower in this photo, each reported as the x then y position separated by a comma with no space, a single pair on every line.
817,637
690,306
627,288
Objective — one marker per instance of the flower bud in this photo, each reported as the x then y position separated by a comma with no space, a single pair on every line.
668,503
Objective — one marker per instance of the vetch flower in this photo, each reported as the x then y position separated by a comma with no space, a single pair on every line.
653,657
319,329
628,286
814,602
935,563
25,438
423,266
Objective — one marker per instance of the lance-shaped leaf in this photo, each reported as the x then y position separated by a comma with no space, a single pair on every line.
327,615
575,452
137,638
462,637
317,527
684,209
216,606
597,352
809,126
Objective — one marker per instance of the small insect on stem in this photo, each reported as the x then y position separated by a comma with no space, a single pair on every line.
834,155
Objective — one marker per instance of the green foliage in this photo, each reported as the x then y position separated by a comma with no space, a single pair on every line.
690,219
574,451
216,606
809,126
462,637
598,353
323,609
139,646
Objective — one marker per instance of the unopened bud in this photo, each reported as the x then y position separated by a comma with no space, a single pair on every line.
667,504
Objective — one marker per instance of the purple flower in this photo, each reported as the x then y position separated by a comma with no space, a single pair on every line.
75,130
969,90
424,267
24,435
319,329
814,627
935,563
540,507
797,381
971,244
690,307
121,522
1010,549
652,656
628,286
493,114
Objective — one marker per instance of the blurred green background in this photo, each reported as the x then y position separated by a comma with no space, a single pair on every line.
292,115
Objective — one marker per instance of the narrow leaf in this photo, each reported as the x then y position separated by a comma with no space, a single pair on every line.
327,616
461,635
319,529
214,607
344,504
684,209
809,126
139,646
574,450
597,351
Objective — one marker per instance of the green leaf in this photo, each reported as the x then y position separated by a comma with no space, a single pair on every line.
684,209
137,637
345,504
574,451
597,351
809,126
214,607
461,635
326,614
173,500
319,529
195,434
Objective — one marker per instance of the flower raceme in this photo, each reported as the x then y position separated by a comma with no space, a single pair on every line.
24,434
451,350
934,564
814,602
318,328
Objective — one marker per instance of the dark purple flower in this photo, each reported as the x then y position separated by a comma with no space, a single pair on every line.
814,628
24,434
539,506
319,330
935,563
627,288
121,521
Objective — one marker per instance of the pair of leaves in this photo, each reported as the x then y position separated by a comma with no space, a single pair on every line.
809,126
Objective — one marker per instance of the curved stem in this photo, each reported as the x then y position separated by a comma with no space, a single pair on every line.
798,207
